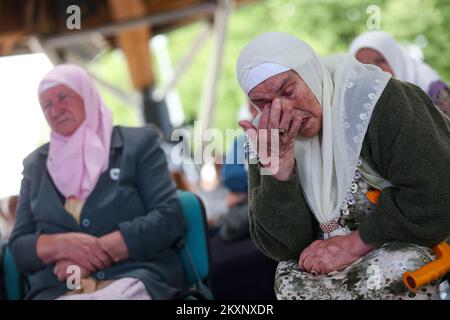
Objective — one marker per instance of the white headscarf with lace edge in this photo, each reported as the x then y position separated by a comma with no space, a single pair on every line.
347,91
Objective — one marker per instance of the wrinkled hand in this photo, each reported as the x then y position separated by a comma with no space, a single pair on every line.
61,270
114,244
325,256
278,157
82,249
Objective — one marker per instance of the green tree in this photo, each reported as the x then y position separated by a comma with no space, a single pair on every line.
327,25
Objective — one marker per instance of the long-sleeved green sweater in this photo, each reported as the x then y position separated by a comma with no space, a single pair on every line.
408,142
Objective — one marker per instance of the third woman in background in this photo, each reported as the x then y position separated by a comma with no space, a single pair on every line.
381,49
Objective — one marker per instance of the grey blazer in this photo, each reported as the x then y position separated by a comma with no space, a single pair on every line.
135,195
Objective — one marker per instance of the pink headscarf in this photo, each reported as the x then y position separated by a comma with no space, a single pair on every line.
76,162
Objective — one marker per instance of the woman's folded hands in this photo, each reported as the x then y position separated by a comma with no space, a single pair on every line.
87,252
336,253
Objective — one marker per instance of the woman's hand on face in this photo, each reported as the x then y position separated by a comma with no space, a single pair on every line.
62,271
277,156
83,249
336,253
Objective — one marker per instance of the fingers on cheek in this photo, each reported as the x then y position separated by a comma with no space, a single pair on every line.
287,111
295,126
286,108
297,122
295,113
264,119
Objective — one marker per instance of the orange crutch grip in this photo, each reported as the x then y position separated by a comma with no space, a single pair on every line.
373,195
431,271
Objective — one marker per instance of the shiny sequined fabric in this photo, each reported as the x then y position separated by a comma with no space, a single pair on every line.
356,204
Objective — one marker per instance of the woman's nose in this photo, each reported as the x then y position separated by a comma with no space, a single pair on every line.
56,110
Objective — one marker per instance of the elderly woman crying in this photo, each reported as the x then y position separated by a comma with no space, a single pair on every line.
360,190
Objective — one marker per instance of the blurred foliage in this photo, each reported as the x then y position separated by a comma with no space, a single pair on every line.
327,25
112,67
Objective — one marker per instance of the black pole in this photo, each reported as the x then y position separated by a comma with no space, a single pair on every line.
155,112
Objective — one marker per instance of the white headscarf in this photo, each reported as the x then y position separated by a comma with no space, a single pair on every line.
405,67
347,91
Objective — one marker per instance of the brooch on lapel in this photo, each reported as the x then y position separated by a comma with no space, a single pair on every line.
114,173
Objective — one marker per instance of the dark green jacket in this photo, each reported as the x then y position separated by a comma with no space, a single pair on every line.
408,141
142,204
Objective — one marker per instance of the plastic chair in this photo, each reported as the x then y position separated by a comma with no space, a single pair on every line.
193,252
14,282
194,247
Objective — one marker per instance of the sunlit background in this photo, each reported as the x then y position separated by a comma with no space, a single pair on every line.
22,125
328,25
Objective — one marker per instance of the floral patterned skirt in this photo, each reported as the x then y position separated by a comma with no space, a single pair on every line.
378,275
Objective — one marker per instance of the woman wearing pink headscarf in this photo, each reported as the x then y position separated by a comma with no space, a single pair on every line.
98,213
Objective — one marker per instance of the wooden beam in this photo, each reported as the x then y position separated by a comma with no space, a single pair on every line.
9,40
134,42
158,22
157,6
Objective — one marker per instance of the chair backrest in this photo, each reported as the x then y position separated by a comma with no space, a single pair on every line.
195,259
12,278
